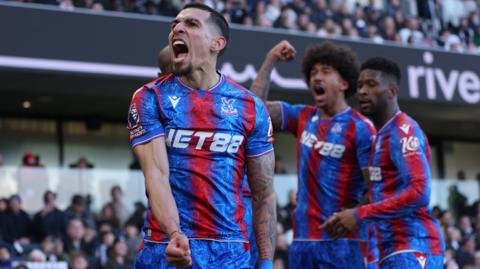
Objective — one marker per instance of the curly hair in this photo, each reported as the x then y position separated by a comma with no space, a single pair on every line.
340,57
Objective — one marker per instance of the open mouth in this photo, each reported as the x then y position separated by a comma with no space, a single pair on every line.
180,50
318,89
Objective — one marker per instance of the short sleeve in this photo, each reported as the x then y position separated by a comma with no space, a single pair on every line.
364,139
260,139
144,117
290,116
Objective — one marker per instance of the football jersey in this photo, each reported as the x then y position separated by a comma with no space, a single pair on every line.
400,186
209,134
330,156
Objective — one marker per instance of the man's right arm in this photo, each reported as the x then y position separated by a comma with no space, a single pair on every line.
154,163
283,51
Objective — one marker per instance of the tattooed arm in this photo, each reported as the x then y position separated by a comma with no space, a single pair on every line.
154,162
260,179
283,51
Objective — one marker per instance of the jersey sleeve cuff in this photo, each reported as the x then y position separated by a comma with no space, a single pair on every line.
355,213
259,151
361,213
146,138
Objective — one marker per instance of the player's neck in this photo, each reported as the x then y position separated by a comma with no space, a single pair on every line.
328,112
380,119
202,78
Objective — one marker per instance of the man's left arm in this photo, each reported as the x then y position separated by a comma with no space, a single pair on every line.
260,178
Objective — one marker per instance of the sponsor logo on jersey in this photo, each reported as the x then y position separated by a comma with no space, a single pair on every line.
323,148
213,141
174,100
410,145
227,107
315,118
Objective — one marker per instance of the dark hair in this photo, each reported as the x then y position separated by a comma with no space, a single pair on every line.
216,18
340,57
384,65
46,194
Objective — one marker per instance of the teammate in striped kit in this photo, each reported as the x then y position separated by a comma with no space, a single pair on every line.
400,180
195,133
333,146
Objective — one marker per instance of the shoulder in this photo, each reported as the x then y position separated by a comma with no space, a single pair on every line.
361,120
153,86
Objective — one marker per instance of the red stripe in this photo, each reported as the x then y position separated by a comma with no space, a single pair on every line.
314,211
204,223
346,172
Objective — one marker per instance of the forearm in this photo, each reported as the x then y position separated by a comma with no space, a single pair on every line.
163,205
261,84
260,177
265,224
398,205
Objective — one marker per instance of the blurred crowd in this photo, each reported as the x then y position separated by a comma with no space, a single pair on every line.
110,238
453,25
75,235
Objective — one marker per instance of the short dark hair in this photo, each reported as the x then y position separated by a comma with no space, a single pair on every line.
384,65
340,57
216,18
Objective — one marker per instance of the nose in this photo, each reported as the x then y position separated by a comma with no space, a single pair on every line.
178,28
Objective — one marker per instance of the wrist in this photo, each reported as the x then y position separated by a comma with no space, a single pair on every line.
174,233
265,264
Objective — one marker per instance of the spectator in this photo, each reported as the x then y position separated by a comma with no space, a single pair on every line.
16,224
118,257
3,205
36,255
320,13
108,216
82,162
133,240
5,256
78,261
49,221
78,209
289,209
466,227
466,254
120,209
388,30
411,32
461,174
106,242
138,216
30,160
457,202
75,241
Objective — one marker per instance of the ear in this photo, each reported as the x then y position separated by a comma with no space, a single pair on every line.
392,90
343,85
218,43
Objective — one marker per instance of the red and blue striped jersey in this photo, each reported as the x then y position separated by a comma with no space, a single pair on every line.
209,134
330,156
400,186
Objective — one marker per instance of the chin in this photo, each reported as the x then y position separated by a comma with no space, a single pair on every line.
182,71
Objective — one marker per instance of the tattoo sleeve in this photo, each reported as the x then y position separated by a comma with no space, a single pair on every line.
260,179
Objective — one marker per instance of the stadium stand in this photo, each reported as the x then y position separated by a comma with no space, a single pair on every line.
453,25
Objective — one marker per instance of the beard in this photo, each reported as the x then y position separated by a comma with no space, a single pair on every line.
182,71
